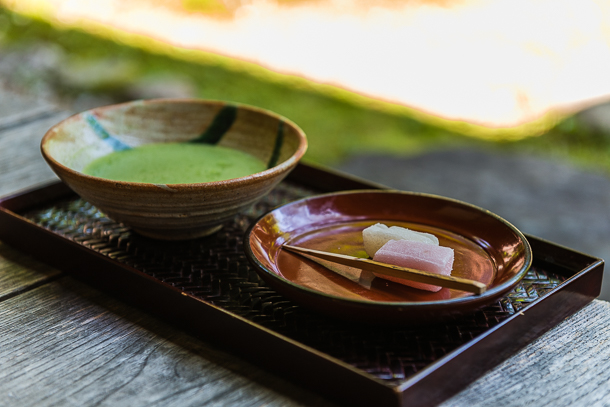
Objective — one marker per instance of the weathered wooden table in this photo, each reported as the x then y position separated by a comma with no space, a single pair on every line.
66,343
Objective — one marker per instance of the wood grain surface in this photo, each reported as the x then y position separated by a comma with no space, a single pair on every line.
65,343
23,122
19,273
21,163
568,366
16,109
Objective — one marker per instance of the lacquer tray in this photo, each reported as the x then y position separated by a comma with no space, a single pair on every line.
208,287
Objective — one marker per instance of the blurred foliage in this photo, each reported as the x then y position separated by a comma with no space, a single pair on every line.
213,7
337,123
575,140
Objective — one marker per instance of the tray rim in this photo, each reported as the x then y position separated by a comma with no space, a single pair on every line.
577,289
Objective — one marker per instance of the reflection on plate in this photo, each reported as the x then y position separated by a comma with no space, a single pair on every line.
487,249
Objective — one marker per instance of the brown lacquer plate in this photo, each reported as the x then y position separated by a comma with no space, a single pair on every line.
487,249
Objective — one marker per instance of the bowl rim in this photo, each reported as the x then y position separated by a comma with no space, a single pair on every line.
221,184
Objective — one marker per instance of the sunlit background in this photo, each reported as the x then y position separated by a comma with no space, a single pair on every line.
388,76
498,63
493,69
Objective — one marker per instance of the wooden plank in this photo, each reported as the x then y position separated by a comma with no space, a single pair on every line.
67,344
21,163
568,366
16,109
19,273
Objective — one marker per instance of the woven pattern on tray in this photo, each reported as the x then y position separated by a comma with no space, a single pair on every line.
216,270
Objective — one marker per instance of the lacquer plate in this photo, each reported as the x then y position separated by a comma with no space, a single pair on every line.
487,249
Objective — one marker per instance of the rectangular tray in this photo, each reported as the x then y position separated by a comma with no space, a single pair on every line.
207,287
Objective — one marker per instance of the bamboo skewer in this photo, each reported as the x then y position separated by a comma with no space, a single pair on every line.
391,270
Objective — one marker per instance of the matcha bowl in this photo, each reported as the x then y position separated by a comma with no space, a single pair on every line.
172,208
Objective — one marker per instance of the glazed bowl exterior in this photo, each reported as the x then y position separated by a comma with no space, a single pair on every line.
173,211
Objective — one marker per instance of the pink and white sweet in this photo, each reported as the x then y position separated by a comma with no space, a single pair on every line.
379,234
407,248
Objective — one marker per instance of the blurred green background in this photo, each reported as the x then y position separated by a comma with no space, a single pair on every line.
82,69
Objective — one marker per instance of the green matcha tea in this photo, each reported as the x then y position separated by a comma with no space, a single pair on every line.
175,163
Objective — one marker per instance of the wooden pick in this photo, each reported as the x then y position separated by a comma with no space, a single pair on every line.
457,283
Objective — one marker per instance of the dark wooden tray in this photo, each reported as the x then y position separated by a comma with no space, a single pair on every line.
207,287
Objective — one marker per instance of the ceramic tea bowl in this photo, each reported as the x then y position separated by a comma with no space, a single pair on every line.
173,211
